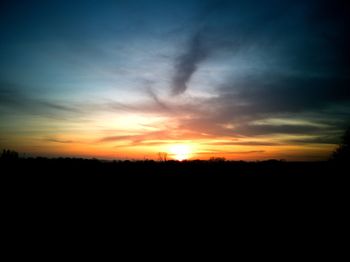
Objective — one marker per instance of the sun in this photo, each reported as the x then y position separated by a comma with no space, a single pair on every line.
180,152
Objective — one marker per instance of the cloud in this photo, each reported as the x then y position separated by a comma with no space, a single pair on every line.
254,130
139,138
116,138
221,26
156,99
322,104
320,139
14,98
143,138
61,141
268,93
9,95
244,143
187,63
231,152
293,33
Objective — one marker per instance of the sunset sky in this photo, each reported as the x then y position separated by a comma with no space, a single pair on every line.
127,79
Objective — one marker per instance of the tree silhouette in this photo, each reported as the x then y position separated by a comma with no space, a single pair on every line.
217,159
162,156
9,155
342,153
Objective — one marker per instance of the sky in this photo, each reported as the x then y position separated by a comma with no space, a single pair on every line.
126,79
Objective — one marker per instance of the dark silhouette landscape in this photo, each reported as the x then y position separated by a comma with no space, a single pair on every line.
79,169
71,168
73,183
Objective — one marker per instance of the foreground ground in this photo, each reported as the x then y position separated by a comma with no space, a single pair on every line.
49,181
124,169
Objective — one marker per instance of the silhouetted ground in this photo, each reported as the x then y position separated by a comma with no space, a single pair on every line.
65,175
71,168
38,185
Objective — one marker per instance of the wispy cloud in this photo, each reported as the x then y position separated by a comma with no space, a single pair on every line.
61,141
187,63
13,98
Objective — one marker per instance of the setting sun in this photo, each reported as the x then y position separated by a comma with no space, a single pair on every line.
180,152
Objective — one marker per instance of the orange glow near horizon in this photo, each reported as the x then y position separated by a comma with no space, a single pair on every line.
176,150
138,137
180,152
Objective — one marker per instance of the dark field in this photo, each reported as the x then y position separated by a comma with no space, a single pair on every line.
71,168
228,183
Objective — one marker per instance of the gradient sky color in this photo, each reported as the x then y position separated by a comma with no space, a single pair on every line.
124,79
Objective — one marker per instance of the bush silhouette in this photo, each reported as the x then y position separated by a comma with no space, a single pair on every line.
342,153
217,159
9,155
162,156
